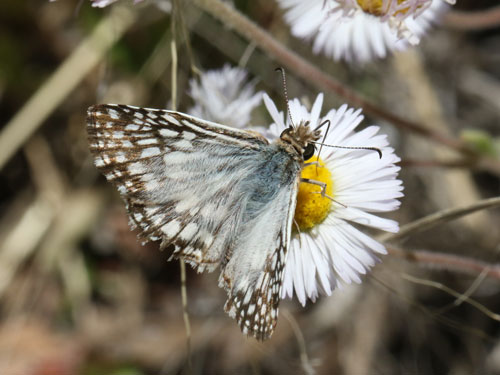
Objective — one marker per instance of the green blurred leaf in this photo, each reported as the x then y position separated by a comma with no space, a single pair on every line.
481,141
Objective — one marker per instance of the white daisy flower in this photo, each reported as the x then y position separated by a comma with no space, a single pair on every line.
361,30
224,96
327,249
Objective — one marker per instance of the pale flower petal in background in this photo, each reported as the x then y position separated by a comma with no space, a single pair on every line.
343,30
224,96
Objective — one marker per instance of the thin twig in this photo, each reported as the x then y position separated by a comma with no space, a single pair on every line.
304,358
459,296
459,326
479,20
486,163
471,289
185,313
246,55
439,218
173,51
57,88
232,18
448,262
185,37
158,61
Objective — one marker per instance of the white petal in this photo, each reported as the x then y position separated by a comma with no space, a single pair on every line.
316,110
298,278
358,216
273,111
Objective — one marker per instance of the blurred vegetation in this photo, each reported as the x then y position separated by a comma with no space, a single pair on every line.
80,295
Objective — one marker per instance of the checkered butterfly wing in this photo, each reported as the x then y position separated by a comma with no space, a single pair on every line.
198,187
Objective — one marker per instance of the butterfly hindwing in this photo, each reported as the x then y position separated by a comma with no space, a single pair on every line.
177,175
254,274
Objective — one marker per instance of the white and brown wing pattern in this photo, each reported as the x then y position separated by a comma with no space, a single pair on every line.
262,249
176,174
212,194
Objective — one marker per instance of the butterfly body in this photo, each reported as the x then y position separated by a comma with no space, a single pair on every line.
274,169
212,194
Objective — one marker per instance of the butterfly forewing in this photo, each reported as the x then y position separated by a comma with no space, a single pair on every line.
172,172
214,194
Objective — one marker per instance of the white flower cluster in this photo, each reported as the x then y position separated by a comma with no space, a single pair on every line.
224,96
361,30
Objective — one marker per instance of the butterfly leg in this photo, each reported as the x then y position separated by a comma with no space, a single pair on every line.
316,163
313,163
322,185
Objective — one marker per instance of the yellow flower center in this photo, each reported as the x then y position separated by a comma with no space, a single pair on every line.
371,6
374,7
311,207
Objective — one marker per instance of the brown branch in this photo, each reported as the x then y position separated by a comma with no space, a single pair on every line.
242,25
448,262
469,21
484,163
439,218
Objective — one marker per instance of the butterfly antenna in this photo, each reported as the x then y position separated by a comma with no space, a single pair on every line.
324,137
323,141
352,148
285,91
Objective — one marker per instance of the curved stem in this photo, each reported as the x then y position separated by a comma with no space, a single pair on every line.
304,358
185,313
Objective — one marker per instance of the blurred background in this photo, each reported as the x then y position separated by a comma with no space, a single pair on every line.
80,295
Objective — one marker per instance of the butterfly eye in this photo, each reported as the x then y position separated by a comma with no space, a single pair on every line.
286,131
309,151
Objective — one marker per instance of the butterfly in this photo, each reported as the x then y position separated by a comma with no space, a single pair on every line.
213,195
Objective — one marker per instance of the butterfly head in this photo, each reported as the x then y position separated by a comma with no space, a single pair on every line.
302,139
